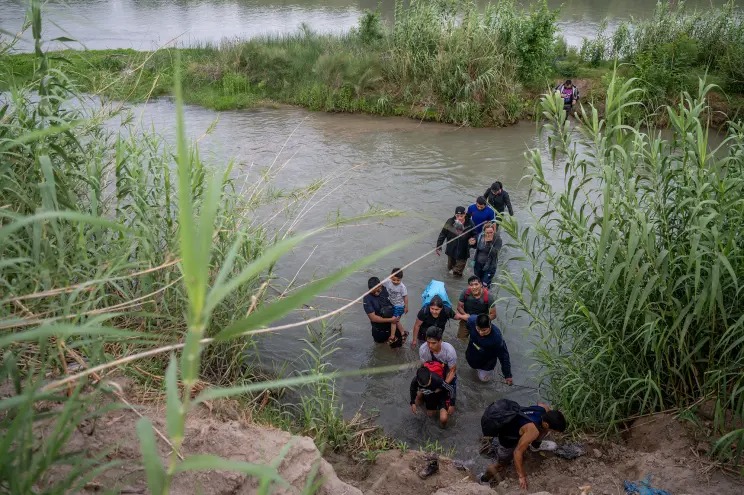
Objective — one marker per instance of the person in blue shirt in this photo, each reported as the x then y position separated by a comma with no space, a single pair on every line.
480,213
485,348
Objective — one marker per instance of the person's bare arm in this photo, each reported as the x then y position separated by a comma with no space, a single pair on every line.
492,313
414,335
375,318
451,374
460,311
528,434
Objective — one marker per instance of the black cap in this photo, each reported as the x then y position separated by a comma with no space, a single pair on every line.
459,209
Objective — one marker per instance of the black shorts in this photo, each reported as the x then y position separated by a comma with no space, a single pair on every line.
381,334
437,401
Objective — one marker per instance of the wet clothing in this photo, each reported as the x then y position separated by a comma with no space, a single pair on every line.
446,356
483,352
475,305
487,253
456,248
436,396
472,306
479,217
500,202
486,258
428,320
375,304
457,266
569,95
509,434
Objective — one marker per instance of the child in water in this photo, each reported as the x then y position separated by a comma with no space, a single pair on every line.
398,295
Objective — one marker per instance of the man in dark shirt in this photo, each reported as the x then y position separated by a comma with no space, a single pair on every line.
485,348
457,235
429,388
498,199
379,310
528,427
473,300
434,314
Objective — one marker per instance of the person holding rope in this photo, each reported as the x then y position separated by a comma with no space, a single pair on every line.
459,234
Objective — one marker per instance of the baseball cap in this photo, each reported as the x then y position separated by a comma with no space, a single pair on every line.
459,209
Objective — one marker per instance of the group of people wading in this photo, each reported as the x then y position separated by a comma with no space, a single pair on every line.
434,387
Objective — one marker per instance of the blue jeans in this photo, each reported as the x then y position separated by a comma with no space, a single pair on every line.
485,277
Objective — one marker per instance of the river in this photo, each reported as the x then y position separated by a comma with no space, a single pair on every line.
420,169
149,24
423,170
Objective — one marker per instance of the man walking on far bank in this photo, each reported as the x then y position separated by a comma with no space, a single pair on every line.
459,234
498,199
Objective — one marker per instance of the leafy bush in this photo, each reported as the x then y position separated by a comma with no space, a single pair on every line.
633,288
370,27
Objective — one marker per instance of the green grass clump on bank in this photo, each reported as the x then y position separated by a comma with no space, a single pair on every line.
634,289
668,52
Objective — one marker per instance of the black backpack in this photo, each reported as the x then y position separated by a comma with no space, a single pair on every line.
498,415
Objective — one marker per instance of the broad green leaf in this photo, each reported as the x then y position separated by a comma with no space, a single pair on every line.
62,215
205,462
222,392
150,457
269,257
30,137
69,330
278,309
174,407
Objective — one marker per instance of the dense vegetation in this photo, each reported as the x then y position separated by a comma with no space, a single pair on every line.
115,244
636,265
116,249
443,60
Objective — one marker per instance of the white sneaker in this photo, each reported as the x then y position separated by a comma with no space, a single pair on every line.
546,445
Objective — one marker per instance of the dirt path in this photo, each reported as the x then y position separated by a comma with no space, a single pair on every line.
659,446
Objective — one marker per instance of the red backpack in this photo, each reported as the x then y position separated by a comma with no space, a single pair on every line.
436,367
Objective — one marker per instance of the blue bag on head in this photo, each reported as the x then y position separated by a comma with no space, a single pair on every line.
435,288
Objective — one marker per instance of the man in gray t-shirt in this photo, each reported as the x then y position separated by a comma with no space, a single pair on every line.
436,350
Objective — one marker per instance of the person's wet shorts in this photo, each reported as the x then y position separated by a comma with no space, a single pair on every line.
503,455
437,401
398,310
381,334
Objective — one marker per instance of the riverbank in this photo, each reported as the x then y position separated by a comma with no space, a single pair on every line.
671,451
487,70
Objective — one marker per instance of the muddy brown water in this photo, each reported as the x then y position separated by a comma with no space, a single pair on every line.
148,24
419,169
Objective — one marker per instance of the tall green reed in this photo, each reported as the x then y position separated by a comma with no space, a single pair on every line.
664,48
635,266
109,252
